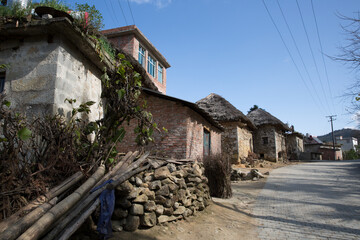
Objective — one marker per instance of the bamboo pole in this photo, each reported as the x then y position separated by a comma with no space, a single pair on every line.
76,225
119,178
61,224
14,231
62,187
80,206
42,225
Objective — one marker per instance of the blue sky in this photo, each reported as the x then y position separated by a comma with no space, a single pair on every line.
231,47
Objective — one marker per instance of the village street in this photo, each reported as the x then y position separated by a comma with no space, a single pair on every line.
310,201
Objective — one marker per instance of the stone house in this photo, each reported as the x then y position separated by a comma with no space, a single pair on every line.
294,145
132,41
237,138
270,135
315,149
49,61
192,133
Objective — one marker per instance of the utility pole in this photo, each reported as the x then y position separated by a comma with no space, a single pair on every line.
332,118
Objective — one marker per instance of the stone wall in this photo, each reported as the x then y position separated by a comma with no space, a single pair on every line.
236,141
44,70
280,144
156,196
230,141
294,146
265,150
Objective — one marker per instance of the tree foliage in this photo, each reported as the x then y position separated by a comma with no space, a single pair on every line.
350,55
253,108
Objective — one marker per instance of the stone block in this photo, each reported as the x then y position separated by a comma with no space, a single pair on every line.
180,210
155,185
164,218
162,173
132,223
150,206
137,209
142,198
120,213
148,219
163,191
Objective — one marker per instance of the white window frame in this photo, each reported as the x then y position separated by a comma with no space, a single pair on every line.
143,54
160,73
151,66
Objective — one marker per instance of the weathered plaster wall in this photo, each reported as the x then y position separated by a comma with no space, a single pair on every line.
184,138
245,142
30,80
44,71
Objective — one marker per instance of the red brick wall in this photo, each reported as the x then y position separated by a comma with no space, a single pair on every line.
125,43
184,138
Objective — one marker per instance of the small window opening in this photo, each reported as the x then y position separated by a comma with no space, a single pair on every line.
279,155
262,155
207,142
265,140
2,81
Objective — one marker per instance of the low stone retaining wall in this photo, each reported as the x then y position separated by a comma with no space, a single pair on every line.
156,196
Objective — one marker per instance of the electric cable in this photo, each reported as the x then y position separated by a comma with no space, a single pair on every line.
131,12
122,11
322,55
312,54
292,59
300,55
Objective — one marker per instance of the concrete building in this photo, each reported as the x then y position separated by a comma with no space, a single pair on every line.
270,135
132,41
347,143
191,132
237,139
50,61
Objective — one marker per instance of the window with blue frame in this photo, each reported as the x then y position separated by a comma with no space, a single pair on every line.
151,66
160,73
2,81
142,56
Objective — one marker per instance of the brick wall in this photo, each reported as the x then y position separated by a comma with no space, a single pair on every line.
126,43
184,138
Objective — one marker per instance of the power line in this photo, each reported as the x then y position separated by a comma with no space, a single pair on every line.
107,6
112,8
300,55
322,55
122,11
288,50
312,54
131,12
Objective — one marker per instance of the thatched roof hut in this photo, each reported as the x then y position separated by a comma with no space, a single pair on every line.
223,111
261,117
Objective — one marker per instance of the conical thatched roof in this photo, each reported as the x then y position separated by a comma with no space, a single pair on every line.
223,111
261,117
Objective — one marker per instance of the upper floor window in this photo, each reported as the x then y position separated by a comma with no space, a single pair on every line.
160,73
151,66
142,56
265,140
2,81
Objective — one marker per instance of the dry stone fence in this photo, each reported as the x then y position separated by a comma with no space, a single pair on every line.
169,193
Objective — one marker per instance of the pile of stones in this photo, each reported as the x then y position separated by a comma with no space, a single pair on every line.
240,175
166,194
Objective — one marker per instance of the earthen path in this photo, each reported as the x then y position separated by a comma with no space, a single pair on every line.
311,201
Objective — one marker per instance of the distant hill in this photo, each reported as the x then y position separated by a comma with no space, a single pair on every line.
345,132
